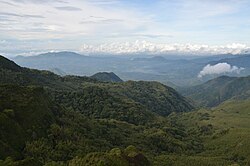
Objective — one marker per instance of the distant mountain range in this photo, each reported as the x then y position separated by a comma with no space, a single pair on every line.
180,71
242,61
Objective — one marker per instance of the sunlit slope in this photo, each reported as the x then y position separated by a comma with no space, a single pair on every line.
224,131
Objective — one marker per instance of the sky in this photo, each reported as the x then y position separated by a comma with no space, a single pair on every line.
199,27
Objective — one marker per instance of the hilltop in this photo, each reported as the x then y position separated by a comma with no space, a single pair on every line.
106,77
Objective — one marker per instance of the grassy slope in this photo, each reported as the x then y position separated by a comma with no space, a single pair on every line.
224,131
233,118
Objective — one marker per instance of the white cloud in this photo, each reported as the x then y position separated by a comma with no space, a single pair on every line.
156,48
48,19
70,23
220,68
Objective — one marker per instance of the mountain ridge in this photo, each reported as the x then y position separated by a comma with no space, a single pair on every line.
75,83
8,64
218,90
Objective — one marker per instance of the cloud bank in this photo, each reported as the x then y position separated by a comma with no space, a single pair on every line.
219,68
156,48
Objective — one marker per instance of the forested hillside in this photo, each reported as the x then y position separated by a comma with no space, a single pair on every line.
78,119
51,120
218,90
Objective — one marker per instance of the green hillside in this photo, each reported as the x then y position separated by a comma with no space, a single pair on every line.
218,90
224,131
8,65
25,114
34,129
63,120
157,97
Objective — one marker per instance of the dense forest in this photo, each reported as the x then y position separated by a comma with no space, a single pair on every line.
51,120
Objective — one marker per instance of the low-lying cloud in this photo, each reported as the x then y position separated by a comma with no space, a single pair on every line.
219,68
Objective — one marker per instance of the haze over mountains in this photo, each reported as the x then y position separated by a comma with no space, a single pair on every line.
177,70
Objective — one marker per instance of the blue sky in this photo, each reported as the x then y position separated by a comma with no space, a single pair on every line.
33,26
